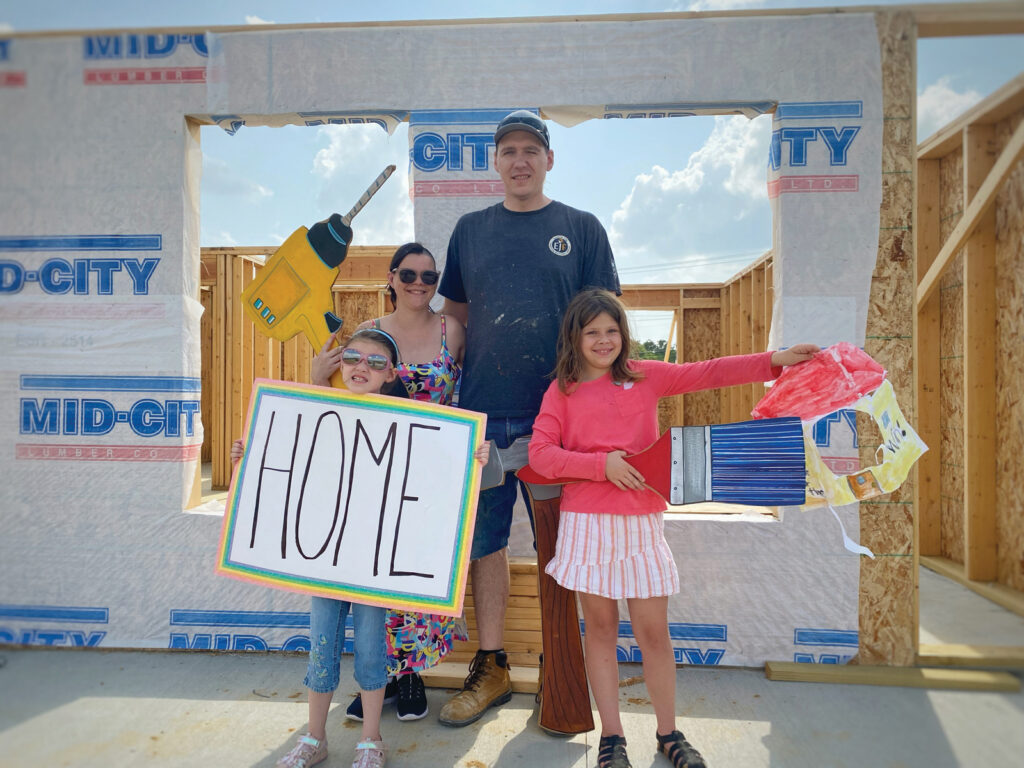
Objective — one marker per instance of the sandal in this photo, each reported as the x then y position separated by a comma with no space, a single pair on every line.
611,753
369,754
681,752
306,752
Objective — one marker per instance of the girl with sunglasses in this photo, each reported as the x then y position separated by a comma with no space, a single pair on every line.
432,346
369,362
367,365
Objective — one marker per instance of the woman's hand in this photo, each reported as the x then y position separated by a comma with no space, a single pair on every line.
625,476
236,451
482,453
798,353
327,362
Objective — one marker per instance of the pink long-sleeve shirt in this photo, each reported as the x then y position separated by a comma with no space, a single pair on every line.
573,433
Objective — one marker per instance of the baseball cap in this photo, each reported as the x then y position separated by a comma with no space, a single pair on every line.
523,120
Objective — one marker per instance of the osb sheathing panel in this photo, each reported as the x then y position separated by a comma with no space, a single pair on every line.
887,533
668,416
951,360
353,307
1010,368
887,584
886,622
951,192
206,372
952,509
702,330
951,401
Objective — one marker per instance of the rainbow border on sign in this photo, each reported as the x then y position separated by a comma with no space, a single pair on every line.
399,600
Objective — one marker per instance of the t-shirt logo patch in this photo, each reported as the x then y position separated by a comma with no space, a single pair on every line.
559,245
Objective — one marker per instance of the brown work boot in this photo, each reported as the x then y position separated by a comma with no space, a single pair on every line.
488,684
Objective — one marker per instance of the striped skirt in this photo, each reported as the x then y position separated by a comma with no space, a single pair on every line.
615,556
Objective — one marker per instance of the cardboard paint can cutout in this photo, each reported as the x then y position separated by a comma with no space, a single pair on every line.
838,377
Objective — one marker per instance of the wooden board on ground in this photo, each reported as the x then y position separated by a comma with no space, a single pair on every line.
907,677
463,654
963,655
451,674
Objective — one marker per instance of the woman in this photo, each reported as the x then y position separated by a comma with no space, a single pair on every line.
431,347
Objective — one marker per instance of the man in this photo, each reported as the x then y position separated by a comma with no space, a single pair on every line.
511,271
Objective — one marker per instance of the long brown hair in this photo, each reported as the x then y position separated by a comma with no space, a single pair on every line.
585,306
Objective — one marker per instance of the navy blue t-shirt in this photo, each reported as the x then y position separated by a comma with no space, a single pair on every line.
517,273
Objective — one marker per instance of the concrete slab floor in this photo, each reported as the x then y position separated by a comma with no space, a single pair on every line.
153,708
951,613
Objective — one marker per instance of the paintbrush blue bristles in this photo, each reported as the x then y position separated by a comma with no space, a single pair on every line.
758,462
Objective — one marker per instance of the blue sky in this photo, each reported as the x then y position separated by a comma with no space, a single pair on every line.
683,200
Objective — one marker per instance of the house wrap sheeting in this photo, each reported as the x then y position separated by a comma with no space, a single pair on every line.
99,265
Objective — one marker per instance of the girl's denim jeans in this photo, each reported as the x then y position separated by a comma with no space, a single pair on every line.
327,641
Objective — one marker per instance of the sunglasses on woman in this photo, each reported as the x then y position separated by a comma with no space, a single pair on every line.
350,356
408,276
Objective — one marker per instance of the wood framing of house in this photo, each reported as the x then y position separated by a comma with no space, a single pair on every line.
946,287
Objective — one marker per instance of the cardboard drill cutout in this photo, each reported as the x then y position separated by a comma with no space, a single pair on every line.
292,293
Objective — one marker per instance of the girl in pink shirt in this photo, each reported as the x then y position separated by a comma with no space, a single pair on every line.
611,542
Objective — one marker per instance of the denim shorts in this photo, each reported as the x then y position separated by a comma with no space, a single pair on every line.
494,509
327,641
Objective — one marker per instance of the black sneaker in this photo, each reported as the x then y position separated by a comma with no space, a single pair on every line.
355,709
412,698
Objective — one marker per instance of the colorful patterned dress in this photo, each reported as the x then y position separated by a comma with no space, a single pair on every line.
418,641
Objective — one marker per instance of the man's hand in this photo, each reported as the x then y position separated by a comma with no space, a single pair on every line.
621,473
482,453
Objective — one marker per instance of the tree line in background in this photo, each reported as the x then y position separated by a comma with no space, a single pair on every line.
652,350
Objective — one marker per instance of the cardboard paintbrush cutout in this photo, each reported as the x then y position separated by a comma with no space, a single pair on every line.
773,460
292,293
749,462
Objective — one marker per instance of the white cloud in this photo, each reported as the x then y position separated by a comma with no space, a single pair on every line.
347,144
352,159
5,27
939,103
221,179
740,146
705,221
249,19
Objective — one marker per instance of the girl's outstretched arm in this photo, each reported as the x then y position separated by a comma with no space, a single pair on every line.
798,353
